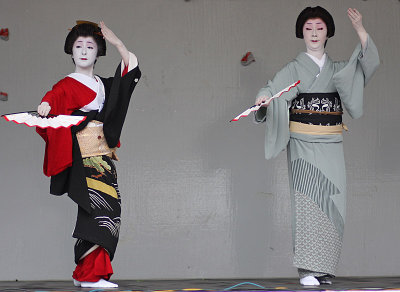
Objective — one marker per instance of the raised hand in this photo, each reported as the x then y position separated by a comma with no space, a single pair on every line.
109,35
356,20
115,41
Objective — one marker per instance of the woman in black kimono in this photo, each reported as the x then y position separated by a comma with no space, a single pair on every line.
79,159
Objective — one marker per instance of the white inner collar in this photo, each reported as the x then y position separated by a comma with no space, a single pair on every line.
319,62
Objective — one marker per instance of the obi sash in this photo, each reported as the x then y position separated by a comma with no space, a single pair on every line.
323,109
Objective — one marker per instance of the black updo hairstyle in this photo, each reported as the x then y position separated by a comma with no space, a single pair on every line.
85,29
311,13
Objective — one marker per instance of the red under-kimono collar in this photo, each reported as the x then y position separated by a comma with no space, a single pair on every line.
96,85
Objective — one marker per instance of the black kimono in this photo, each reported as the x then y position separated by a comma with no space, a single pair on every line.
92,181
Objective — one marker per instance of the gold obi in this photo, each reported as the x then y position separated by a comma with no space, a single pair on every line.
92,141
296,127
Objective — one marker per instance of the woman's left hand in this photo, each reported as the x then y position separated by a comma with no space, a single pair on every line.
356,18
109,36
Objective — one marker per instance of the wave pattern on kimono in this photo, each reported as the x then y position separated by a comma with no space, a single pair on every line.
316,161
102,225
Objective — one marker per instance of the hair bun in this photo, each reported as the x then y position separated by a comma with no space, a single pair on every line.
315,12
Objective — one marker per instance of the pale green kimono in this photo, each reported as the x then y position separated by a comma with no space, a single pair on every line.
316,163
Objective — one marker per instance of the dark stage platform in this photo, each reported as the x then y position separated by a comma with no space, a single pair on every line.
281,284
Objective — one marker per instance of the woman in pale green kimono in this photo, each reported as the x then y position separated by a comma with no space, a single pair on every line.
308,121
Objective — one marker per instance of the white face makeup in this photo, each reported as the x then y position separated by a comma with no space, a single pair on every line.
84,52
315,35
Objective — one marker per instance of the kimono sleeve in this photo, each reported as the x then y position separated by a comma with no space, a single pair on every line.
65,97
117,103
56,98
351,80
133,63
276,115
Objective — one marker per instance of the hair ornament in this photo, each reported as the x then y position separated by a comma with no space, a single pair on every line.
78,22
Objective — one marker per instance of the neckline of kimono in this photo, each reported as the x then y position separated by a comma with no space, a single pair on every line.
310,65
319,62
92,83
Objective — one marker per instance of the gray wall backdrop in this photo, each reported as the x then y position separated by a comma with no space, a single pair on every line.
199,199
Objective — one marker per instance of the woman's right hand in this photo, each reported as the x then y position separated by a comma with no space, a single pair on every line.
262,99
44,109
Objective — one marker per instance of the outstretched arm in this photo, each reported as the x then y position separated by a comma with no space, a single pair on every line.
115,41
356,20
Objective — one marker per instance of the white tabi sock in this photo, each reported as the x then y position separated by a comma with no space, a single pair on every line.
77,283
309,281
99,284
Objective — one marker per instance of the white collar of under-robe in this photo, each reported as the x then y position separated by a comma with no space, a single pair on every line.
319,62
94,84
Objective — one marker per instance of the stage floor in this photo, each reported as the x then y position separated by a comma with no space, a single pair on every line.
281,284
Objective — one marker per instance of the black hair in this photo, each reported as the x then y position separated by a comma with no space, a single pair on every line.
85,29
311,13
